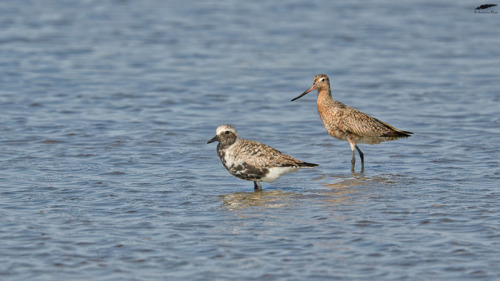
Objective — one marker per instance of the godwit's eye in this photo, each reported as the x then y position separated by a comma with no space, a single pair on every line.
227,132
322,79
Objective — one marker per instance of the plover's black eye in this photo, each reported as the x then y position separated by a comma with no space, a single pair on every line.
227,132
322,79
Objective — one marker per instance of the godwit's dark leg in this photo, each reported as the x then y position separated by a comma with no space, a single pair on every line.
362,157
353,160
257,186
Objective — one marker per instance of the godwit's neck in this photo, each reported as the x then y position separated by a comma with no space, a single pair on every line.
324,95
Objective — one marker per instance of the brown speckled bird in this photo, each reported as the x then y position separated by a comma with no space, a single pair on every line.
252,160
349,124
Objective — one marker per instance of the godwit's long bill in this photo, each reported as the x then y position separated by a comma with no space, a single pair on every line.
252,160
349,124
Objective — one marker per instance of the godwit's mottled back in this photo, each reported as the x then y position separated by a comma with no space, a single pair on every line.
349,124
251,160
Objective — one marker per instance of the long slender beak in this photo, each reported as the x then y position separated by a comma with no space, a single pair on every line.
313,87
212,139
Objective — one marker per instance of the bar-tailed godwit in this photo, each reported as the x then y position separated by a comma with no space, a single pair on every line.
252,160
349,124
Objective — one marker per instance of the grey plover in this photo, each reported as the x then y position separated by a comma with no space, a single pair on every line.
349,124
252,160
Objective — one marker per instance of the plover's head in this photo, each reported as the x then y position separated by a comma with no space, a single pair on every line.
321,82
226,134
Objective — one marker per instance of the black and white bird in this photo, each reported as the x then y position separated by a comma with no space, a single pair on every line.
252,160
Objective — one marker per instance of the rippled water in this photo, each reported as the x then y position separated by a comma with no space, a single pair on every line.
106,108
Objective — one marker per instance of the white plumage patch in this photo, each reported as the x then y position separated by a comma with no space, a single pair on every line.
276,172
223,128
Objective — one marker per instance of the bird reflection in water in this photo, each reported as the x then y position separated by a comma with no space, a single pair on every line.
338,192
263,199
339,189
357,180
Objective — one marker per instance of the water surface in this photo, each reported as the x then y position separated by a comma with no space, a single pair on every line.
106,108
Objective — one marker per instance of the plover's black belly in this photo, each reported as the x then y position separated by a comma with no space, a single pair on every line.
247,172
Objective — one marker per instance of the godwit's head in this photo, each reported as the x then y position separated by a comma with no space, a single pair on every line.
321,82
225,134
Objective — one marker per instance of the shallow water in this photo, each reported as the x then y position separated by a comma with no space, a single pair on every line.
106,108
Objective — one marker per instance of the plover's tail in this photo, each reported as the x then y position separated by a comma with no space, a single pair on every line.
307,165
298,165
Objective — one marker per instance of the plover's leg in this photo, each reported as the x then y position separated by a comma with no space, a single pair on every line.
362,158
257,186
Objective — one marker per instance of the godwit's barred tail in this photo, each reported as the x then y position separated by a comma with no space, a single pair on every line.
251,160
349,124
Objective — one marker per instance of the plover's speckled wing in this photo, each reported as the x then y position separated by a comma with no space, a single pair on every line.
259,154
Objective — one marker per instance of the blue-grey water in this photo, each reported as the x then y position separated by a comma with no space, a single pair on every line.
106,108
